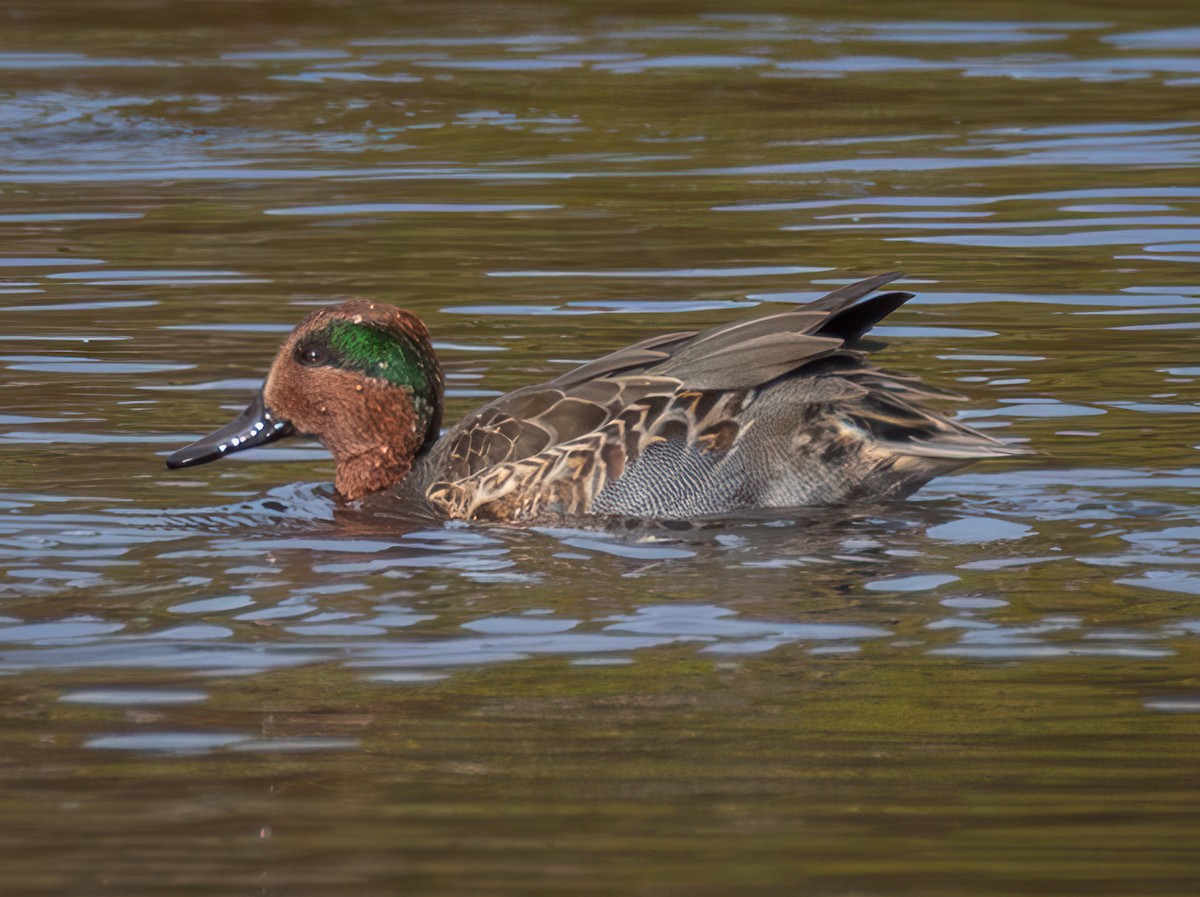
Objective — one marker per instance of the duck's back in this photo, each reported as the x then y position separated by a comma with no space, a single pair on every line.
780,411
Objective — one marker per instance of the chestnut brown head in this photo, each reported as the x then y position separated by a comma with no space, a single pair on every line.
363,378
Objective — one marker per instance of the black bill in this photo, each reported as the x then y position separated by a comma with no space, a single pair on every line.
254,426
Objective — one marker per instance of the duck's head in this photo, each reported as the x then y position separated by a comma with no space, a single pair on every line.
363,378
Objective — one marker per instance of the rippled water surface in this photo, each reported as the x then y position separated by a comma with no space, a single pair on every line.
225,681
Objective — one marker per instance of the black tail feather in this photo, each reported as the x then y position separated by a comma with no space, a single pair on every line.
853,321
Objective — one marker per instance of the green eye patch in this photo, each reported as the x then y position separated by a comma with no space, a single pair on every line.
378,352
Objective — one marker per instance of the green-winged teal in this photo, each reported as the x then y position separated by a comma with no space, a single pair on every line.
779,411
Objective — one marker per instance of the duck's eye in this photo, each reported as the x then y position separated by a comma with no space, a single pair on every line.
312,356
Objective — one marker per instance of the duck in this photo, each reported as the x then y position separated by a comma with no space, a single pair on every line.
778,412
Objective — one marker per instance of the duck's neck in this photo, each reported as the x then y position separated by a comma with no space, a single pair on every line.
371,471
378,439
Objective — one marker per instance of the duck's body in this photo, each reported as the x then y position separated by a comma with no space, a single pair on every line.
780,411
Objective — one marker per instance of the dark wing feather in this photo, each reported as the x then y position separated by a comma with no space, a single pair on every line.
747,363
844,297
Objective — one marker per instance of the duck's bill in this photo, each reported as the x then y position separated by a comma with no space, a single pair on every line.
254,426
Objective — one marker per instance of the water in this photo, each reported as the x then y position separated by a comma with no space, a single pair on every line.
221,680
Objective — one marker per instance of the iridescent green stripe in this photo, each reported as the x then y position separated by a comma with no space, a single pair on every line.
378,352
